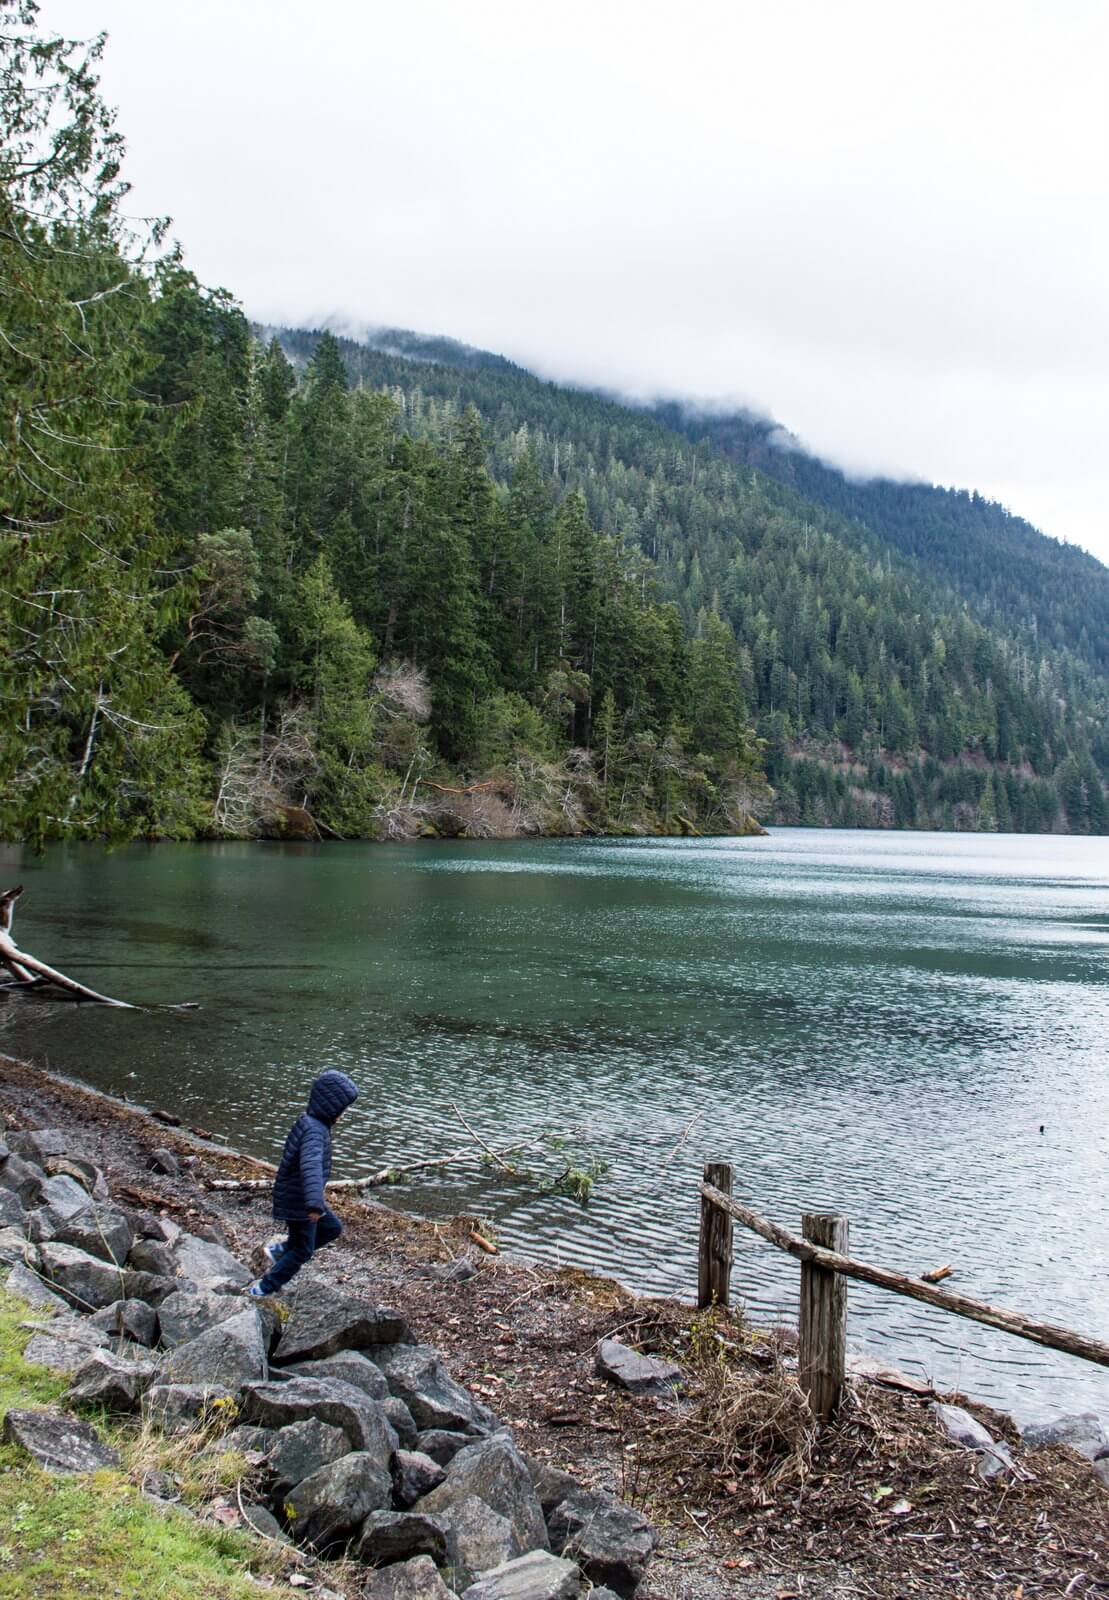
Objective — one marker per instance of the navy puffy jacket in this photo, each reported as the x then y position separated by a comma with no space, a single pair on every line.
306,1162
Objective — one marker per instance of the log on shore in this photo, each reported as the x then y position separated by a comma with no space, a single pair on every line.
29,972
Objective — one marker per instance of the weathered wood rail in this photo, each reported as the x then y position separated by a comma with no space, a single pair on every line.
822,1251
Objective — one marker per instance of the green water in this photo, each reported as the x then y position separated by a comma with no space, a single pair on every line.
875,1023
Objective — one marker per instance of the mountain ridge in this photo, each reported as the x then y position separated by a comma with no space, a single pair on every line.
870,672
955,535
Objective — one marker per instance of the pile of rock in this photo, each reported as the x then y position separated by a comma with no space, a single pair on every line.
365,1445
1083,1432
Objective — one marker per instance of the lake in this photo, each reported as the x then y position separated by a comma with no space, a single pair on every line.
908,1028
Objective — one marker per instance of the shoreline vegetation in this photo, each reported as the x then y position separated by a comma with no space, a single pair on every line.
292,585
752,1500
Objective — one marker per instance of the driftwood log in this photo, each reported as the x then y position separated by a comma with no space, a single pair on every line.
396,1174
1047,1334
469,788
29,973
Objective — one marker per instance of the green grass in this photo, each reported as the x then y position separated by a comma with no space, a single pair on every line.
21,1385
75,1538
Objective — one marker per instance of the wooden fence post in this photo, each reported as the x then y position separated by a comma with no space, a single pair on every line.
714,1260
823,1320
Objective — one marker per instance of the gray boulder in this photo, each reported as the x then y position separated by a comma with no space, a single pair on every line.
83,1280
205,1263
460,1270
210,1230
24,1179
60,1202
58,1442
414,1475
536,1576
401,1418
637,1373
349,1367
64,1195
40,1144
414,1580
478,1539
105,1379
189,1312
260,1520
150,1225
1083,1431
324,1322
181,1407
43,1223
131,1319
164,1161
27,1286
327,1508
551,1484
152,1255
389,1536
86,1173
442,1444
64,1344
11,1209
148,1286
993,1454
610,1542
100,1231
40,1224
247,1441
275,1405
301,1449
230,1354
494,1471
15,1247
415,1374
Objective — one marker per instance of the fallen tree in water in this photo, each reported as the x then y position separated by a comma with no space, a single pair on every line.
574,1181
29,973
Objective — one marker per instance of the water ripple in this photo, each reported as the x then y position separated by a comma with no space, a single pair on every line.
878,1024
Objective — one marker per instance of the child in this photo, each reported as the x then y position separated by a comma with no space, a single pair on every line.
298,1189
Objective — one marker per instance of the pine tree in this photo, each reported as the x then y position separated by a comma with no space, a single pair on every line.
715,710
96,740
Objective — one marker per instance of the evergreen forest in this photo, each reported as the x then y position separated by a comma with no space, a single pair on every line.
267,582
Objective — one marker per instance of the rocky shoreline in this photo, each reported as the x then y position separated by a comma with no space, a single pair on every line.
524,1427
366,1445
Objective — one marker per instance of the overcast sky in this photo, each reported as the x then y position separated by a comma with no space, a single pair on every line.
885,224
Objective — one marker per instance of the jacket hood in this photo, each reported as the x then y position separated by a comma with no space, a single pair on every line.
331,1094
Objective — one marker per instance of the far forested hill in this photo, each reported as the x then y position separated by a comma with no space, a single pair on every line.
911,655
1007,569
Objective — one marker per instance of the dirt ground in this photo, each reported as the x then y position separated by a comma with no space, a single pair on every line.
751,1502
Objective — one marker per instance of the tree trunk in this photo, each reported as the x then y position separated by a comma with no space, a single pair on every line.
26,969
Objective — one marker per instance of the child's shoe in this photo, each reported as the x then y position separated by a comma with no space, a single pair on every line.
255,1291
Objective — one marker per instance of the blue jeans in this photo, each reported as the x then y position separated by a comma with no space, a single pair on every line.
304,1239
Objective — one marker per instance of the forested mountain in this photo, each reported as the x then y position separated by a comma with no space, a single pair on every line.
252,585
884,692
1011,573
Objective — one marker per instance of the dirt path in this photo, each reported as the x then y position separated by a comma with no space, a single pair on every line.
747,1512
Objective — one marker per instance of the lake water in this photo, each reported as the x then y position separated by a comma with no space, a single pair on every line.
874,1023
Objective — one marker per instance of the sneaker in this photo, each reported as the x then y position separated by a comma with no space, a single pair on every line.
255,1291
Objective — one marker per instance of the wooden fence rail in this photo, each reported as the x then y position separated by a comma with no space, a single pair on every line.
823,1319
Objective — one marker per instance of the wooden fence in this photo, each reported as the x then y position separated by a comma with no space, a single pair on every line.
825,1264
